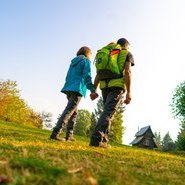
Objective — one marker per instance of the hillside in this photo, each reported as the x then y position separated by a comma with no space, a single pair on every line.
28,157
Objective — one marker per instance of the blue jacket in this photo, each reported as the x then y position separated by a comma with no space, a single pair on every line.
78,78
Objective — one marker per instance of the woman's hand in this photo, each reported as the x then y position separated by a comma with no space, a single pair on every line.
93,96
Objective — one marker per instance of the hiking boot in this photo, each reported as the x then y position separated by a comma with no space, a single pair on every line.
69,137
56,137
104,145
99,140
100,144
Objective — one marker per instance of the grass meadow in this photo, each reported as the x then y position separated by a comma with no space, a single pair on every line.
28,157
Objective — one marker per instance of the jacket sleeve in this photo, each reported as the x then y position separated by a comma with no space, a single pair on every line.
86,74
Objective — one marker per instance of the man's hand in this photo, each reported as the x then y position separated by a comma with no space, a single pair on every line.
93,96
128,98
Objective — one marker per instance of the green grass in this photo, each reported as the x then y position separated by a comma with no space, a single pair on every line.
28,157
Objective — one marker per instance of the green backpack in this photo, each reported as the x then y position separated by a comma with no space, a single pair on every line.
106,62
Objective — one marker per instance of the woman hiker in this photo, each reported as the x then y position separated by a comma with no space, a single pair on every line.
78,80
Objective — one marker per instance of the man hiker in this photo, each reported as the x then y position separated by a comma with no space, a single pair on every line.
113,64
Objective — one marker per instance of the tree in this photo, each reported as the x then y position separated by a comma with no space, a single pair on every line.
34,119
13,107
178,102
83,122
178,110
158,139
46,120
9,95
95,115
181,138
99,109
167,143
116,129
93,124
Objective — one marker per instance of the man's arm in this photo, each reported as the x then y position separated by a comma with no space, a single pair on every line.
96,83
128,82
86,74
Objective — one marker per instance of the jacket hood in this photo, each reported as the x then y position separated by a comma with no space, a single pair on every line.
77,59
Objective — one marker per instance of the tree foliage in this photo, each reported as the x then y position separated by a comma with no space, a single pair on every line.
13,107
46,120
178,109
99,108
93,124
178,101
83,122
158,139
167,143
95,115
117,129
181,138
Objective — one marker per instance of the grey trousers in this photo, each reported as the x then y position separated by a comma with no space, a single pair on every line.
111,100
69,114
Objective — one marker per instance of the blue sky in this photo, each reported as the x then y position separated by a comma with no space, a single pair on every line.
39,38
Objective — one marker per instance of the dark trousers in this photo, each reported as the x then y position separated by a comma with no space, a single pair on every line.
69,114
111,100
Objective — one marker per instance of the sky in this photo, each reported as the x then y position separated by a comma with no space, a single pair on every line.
40,37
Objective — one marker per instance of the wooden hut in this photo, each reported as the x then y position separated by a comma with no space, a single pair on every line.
144,138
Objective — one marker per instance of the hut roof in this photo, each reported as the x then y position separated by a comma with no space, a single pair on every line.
136,140
143,130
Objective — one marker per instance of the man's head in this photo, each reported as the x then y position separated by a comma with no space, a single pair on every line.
123,43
